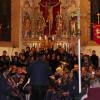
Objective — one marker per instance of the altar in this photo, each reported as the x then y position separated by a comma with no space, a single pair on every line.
50,24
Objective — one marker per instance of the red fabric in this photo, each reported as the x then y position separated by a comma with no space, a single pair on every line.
93,94
52,2
45,15
55,11
96,33
44,9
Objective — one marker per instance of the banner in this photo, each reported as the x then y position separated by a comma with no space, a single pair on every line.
96,33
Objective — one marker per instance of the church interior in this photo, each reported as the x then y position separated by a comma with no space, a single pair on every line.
68,30
44,23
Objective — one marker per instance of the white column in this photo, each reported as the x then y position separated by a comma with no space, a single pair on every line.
79,58
79,65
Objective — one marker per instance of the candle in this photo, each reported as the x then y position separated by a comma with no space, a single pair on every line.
53,38
45,37
40,38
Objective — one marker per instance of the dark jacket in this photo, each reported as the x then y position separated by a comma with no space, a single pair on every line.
5,90
94,60
38,71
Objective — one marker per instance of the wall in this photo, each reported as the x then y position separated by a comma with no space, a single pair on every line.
15,26
87,45
84,21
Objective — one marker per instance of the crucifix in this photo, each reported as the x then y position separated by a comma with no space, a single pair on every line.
98,15
50,16
50,9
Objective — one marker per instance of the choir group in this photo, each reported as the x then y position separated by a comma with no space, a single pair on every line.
62,74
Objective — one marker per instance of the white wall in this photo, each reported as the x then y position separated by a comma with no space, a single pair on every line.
10,50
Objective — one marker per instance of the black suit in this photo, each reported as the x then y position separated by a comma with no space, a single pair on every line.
4,88
94,60
38,72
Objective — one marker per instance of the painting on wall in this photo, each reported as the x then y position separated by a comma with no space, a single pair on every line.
9,23
5,20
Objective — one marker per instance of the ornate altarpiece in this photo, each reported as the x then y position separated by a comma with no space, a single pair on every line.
34,23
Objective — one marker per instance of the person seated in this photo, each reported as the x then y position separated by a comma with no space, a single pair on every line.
7,86
60,88
75,71
91,72
73,86
93,92
85,78
15,60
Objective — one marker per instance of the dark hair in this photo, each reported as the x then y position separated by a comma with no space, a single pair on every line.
3,67
40,54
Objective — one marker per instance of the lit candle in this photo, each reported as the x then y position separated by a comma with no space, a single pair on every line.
33,45
45,37
53,38
60,43
36,45
40,38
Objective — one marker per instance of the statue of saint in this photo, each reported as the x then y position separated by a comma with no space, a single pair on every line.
59,23
39,23
26,20
73,27
27,28
50,9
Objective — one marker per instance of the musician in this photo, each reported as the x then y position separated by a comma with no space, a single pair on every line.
73,86
60,86
38,73
6,91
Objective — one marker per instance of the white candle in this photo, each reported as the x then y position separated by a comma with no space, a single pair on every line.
45,37
40,38
36,45
53,38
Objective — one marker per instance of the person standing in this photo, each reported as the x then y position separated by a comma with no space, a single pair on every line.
94,59
38,73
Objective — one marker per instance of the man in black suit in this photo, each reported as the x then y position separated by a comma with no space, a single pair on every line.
94,59
4,88
38,73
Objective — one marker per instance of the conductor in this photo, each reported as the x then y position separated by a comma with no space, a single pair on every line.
38,73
